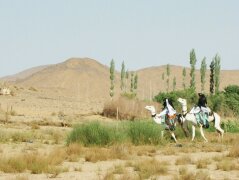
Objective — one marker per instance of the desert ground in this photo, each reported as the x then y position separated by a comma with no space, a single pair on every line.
45,147
46,105
37,125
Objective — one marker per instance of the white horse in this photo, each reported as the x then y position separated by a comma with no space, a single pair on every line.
190,117
158,119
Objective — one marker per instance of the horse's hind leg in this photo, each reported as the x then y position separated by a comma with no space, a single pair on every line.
217,125
202,133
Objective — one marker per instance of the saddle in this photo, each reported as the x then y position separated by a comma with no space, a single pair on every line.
170,121
202,118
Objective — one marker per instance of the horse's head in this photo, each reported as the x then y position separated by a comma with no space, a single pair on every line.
182,101
151,109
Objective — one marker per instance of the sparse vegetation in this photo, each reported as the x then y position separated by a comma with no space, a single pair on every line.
35,162
137,132
202,163
150,167
128,108
183,160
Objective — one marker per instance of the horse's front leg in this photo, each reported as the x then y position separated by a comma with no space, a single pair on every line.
202,133
193,132
185,128
173,135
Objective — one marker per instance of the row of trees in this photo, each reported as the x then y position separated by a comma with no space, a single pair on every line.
124,78
215,68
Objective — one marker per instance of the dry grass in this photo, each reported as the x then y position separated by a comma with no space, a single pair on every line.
183,160
35,126
202,163
74,151
169,151
95,154
227,165
213,148
145,150
21,177
34,162
234,151
119,172
218,158
150,167
127,109
184,174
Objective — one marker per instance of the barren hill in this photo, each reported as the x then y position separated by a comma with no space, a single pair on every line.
81,86
81,77
24,74
87,78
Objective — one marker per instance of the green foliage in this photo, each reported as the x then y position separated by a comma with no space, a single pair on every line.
168,74
231,126
112,77
135,81
163,76
232,89
142,132
129,95
212,68
93,133
132,82
193,61
232,98
127,74
122,85
188,94
174,83
216,102
184,76
137,132
217,60
203,73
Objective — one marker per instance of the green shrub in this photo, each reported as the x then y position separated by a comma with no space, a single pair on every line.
94,133
231,126
188,94
143,132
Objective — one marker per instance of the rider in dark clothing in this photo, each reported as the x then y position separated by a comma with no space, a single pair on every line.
202,110
202,101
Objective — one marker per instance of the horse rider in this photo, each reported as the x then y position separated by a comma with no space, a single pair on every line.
170,114
201,109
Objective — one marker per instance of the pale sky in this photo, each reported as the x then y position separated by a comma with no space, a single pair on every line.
142,33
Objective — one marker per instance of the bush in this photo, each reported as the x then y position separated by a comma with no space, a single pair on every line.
216,102
142,132
232,98
93,133
231,126
188,94
129,109
137,132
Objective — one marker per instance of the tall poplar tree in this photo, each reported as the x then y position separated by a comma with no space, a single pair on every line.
122,84
112,78
126,78
203,70
163,76
168,74
212,68
135,82
132,82
184,76
217,61
174,83
193,61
